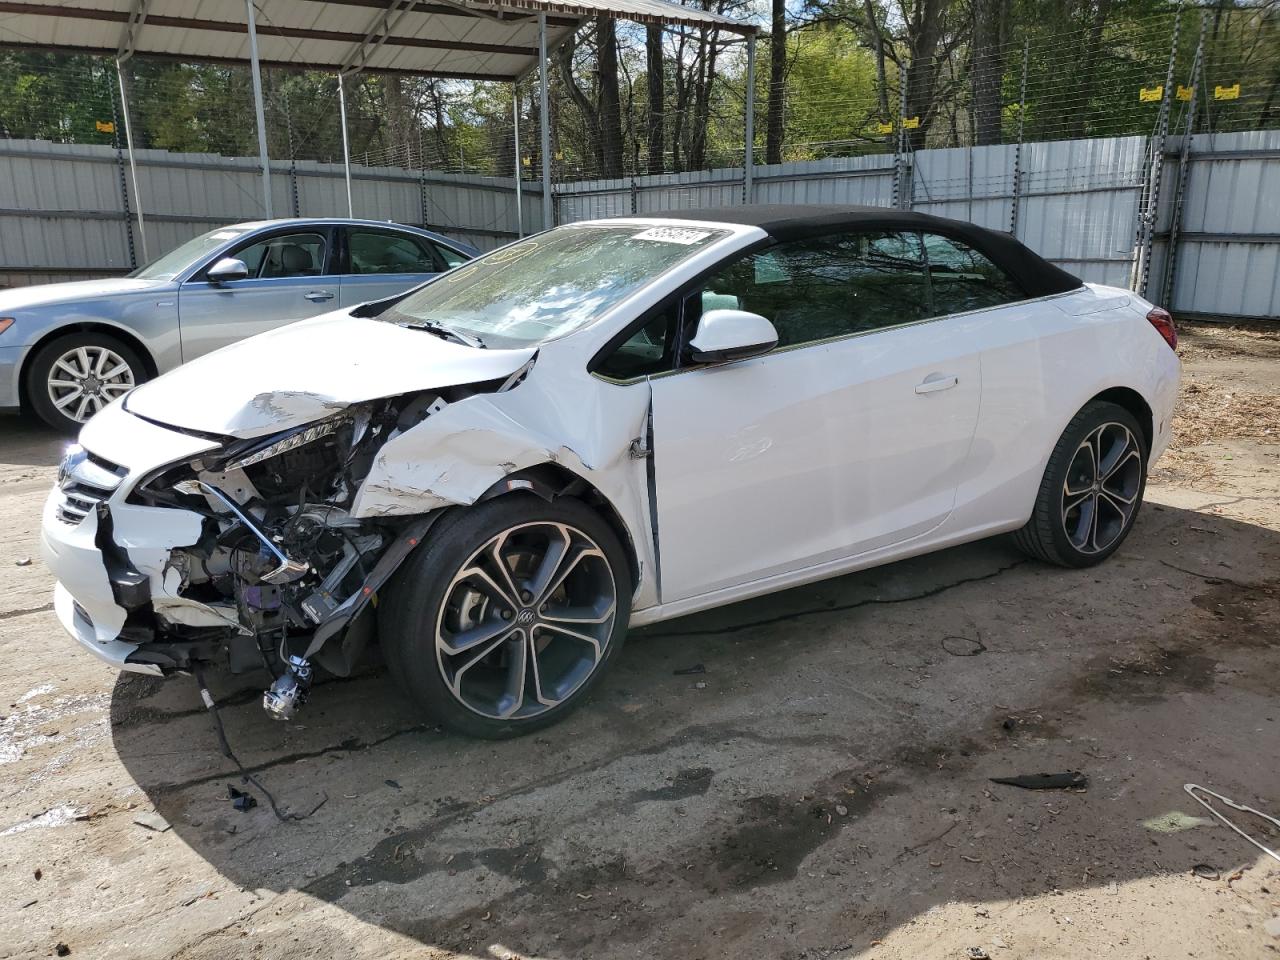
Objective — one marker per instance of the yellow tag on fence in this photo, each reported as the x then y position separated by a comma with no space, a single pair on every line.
1227,93
1184,93
1151,94
105,126
911,123
884,128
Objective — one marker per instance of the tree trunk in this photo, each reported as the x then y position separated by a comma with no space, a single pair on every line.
657,97
924,31
877,44
1092,48
777,78
987,70
609,110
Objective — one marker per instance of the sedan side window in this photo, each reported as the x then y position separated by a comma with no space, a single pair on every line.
375,251
290,255
963,279
830,286
452,258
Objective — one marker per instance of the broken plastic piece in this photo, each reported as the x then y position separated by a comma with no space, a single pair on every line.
1071,780
240,800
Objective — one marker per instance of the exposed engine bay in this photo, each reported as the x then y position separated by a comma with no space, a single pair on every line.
283,576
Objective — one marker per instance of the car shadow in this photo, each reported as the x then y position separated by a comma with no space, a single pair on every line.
29,443
785,776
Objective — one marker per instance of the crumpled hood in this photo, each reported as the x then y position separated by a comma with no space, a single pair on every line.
308,370
47,294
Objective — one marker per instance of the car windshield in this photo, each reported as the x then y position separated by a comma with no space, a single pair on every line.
549,285
175,261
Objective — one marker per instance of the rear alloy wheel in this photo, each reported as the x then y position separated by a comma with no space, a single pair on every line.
523,604
1092,489
75,376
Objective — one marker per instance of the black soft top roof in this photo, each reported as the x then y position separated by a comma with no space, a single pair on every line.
1037,276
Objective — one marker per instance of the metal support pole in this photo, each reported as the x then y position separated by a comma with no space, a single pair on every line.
1017,151
1184,164
346,146
256,72
1149,208
133,165
544,103
749,136
515,126
900,149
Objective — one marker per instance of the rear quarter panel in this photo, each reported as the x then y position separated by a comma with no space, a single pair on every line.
1042,361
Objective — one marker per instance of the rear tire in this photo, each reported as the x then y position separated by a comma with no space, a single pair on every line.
74,376
497,654
1092,489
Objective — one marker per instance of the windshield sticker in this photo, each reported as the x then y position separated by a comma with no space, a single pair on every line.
681,235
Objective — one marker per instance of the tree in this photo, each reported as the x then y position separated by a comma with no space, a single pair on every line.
655,83
777,81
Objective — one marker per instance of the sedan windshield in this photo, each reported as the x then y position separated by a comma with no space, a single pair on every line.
175,261
549,285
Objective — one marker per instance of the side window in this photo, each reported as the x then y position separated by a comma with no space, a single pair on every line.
452,258
649,350
828,286
963,279
377,251
290,255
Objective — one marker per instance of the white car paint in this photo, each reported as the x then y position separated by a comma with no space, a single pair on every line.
883,445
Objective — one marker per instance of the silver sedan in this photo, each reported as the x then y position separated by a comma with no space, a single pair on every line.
69,349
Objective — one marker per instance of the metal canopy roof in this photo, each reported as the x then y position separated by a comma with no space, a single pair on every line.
465,39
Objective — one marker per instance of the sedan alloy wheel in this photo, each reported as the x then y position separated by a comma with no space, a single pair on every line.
85,379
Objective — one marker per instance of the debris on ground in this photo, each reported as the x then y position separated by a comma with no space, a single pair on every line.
690,671
240,800
1206,872
22,562
62,950
1192,788
963,646
392,784
152,821
1071,780
977,953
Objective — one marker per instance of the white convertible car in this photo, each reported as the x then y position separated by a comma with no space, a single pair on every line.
608,424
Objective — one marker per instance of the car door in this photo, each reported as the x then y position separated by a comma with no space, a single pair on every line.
849,437
380,262
289,279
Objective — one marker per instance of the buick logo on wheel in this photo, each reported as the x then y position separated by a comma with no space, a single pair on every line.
525,617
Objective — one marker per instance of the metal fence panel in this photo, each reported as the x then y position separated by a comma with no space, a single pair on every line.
62,211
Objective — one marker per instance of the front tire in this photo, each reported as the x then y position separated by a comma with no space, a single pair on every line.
74,376
1092,489
509,613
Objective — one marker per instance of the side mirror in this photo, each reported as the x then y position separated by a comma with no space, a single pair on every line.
226,269
725,335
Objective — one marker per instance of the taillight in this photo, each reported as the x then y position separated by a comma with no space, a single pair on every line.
1159,318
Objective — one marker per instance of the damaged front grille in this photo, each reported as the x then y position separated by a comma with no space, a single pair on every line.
84,481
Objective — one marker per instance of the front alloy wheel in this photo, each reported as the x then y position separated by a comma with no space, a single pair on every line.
73,376
507,614
526,620
85,379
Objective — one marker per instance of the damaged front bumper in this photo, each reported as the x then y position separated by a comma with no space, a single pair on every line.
107,555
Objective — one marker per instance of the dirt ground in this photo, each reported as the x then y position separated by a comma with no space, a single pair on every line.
820,791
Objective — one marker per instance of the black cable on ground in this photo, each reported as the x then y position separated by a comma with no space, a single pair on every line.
245,775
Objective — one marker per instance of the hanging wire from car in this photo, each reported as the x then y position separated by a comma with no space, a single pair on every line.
245,776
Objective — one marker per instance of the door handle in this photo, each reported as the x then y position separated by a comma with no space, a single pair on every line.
316,296
936,382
